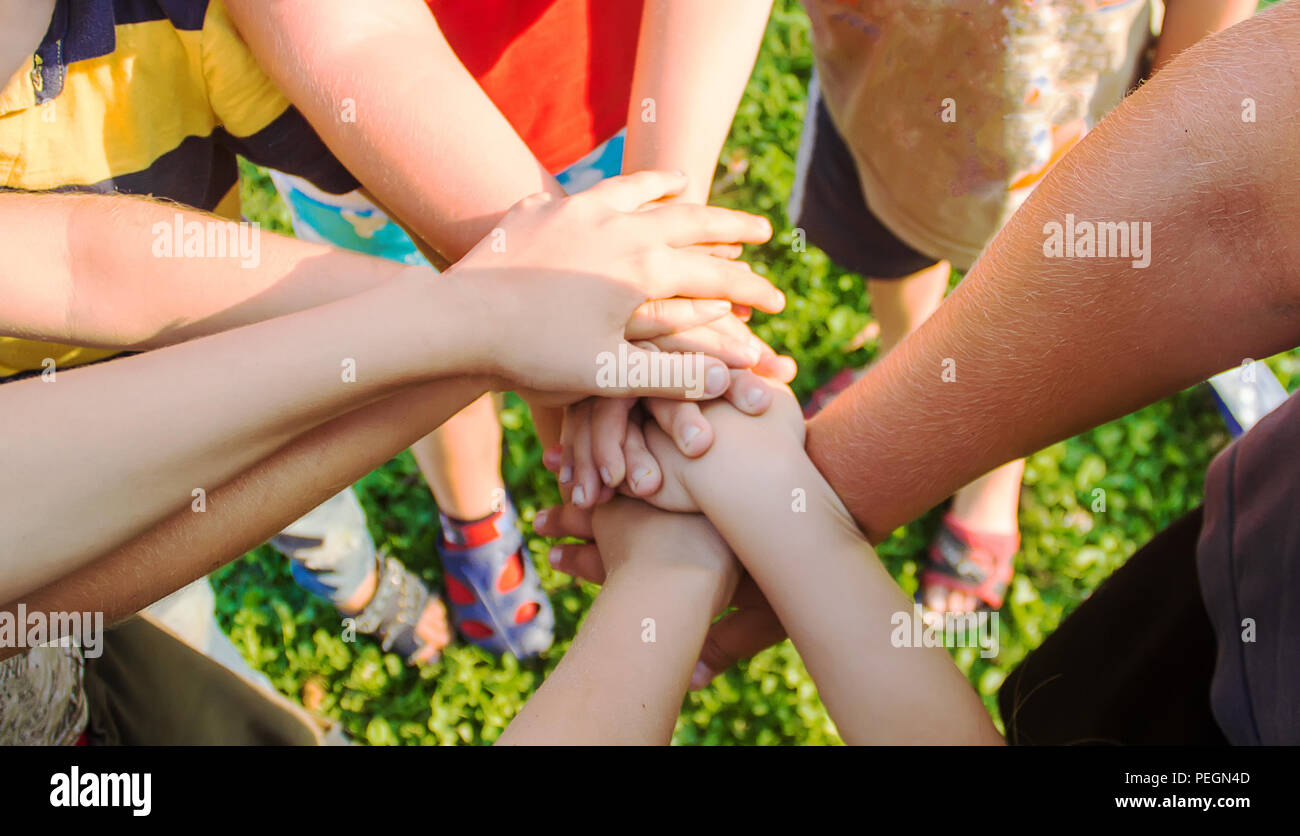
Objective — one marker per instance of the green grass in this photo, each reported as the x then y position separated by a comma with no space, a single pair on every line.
1150,464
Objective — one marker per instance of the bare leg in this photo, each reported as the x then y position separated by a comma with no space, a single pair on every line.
901,305
508,611
991,502
461,461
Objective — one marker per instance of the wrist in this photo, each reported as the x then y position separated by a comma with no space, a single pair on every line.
709,580
454,324
863,493
786,494
685,544
744,452
691,549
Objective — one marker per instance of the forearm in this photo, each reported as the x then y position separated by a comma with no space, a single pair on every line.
248,510
619,684
833,596
425,140
1030,350
191,416
693,60
111,271
1188,21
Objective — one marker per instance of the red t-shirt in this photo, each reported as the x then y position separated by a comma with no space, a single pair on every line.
560,71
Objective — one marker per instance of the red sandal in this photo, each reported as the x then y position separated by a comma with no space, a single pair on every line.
977,563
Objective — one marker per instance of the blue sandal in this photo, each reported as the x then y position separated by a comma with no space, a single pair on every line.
496,598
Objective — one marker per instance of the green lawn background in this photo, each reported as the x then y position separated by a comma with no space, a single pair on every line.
1150,464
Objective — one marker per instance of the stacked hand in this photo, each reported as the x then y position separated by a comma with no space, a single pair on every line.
615,273
752,625
625,530
577,280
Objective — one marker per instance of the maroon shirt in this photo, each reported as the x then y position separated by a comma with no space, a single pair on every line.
1248,560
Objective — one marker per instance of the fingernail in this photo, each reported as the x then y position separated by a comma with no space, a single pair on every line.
689,434
715,382
553,557
636,478
539,520
579,495
753,398
701,676
605,477
566,474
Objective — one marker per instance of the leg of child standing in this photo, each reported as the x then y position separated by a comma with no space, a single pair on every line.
480,546
492,587
901,305
905,287
461,461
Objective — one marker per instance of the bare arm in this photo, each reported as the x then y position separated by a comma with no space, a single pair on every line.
692,62
193,415
622,680
426,141
1044,348
104,281
822,578
252,507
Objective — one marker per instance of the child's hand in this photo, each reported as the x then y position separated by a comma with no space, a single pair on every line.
602,444
726,337
751,625
629,531
561,282
701,327
582,483
778,432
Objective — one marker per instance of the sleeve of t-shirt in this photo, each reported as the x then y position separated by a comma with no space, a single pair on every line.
257,121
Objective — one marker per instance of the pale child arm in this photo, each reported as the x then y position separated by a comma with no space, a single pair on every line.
422,136
824,581
133,439
622,680
693,60
111,271
249,509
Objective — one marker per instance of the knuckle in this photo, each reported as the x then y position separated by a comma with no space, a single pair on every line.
576,208
592,206
533,204
611,225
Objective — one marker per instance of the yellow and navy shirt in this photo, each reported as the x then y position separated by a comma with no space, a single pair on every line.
147,97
